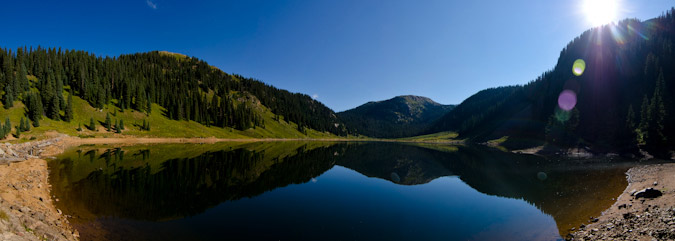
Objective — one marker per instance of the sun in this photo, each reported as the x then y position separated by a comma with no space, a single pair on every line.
599,12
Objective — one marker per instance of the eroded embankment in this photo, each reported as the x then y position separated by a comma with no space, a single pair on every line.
27,210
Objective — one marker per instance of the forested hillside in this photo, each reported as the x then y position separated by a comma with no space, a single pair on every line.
44,80
400,116
611,90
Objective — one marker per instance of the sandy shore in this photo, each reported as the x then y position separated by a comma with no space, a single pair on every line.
637,218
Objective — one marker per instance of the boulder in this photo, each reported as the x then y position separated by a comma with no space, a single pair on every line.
647,193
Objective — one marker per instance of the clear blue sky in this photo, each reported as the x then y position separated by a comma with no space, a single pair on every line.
345,52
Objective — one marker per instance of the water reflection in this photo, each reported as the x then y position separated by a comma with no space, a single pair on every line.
160,187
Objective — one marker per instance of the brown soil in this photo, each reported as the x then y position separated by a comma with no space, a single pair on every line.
27,205
632,218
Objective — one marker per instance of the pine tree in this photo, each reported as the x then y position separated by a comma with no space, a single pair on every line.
121,125
149,107
68,112
8,98
92,124
117,126
108,122
21,125
21,77
79,127
644,120
2,131
8,126
630,119
34,106
36,123
27,124
656,138
54,108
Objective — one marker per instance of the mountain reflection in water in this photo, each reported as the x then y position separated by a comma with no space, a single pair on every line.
246,191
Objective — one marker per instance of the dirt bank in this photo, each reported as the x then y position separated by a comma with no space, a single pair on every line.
633,217
27,211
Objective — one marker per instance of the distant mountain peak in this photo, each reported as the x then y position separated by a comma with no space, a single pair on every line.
400,116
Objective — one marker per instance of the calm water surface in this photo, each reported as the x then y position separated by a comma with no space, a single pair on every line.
327,191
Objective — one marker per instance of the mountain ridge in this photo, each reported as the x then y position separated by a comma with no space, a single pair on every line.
618,101
400,116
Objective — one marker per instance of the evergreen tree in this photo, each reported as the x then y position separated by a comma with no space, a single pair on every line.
54,108
68,112
34,106
8,98
149,107
630,119
92,124
117,126
22,125
121,125
656,138
2,131
21,77
644,120
108,122
8,126
36,123
27,125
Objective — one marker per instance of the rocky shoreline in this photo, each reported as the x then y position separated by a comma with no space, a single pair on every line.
644,211
27,211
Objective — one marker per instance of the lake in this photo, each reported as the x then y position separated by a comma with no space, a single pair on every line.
328,191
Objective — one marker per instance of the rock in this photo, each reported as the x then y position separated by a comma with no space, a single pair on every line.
24,209
648,193
10,152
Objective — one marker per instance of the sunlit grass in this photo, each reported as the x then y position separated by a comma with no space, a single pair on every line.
435,137
161,126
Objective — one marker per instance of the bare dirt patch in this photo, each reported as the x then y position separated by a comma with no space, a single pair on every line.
27,205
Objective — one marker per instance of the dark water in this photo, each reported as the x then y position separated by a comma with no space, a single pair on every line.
328,191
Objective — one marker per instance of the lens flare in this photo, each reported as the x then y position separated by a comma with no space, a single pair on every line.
599,12
578,67
567,100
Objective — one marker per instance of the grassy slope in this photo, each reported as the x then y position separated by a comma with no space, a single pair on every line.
436,137
161,126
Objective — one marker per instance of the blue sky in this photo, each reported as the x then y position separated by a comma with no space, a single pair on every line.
344,53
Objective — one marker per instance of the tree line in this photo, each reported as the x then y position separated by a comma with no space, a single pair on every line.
188,88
